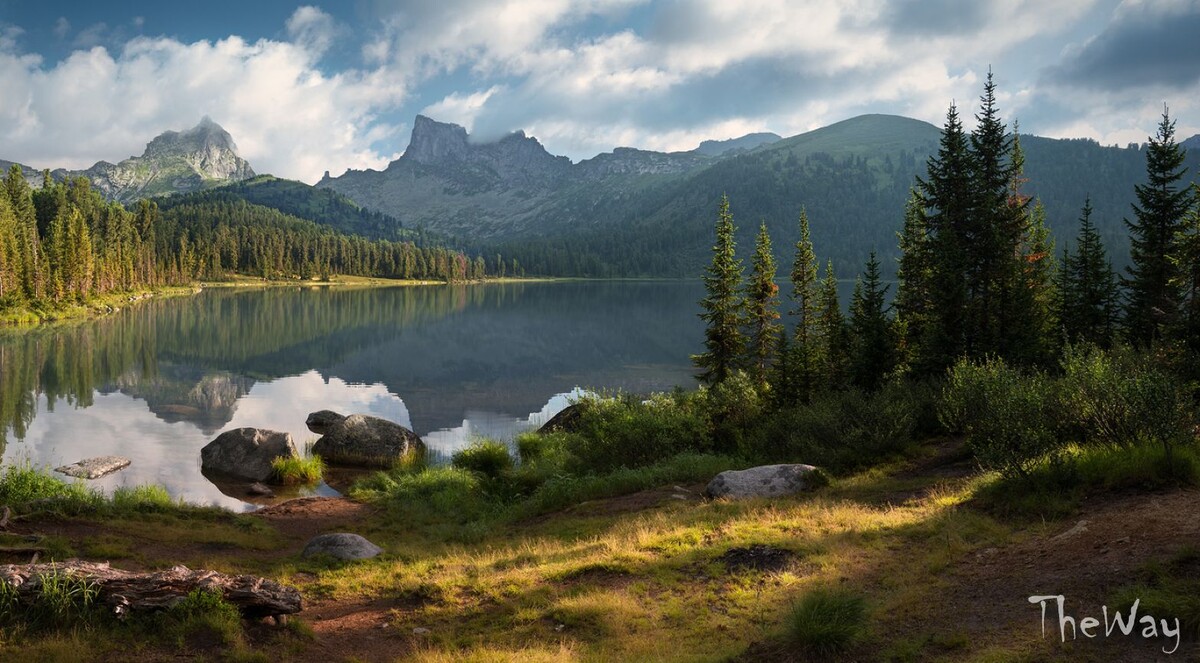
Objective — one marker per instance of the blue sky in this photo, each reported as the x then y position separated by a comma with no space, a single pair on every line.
309,88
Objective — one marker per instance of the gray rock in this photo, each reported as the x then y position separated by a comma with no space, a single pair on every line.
94,468
341,545
322,421
566,421
765,481
365,441
259,489
246,453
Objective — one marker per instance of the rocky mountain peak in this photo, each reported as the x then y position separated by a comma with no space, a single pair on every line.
434,142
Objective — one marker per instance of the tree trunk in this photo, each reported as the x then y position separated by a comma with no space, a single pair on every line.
126,591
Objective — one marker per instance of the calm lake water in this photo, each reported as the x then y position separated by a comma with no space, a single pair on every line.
160,380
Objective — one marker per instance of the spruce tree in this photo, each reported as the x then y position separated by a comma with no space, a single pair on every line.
947,195
29,243
805,347
1187,264
831,326
1087,287
1152,285
913,272
873,351
10,259
723,308
762,308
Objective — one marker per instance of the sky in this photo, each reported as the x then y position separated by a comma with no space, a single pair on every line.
309,88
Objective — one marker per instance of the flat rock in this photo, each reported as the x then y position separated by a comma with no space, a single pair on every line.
764,481
94,468
362,440
341,545
246,453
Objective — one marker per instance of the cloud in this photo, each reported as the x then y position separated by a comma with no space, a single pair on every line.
460,109
287,117
1146,44
62,27
312,29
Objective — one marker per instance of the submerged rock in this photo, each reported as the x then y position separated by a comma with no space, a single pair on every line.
259,489
341,545
765,481
360,439
246,453
94,468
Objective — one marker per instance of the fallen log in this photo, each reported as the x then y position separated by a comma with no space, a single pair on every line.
126,591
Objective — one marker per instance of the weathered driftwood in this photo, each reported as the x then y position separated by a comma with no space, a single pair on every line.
126,591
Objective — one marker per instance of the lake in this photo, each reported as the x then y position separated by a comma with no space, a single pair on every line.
158,381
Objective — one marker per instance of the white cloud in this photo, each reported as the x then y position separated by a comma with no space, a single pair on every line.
287,117
62,27
460,109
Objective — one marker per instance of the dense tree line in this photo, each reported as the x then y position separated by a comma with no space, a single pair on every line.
64,243
977,274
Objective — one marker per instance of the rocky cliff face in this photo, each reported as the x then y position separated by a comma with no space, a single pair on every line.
175,161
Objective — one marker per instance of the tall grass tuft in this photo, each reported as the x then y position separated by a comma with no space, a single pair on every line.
827,621
487,457
292,470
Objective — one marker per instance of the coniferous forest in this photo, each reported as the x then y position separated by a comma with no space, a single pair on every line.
64,243
1022,339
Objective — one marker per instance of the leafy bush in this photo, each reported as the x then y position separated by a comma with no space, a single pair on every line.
200,614
838,430
1010,418
628,432
827,621
487,457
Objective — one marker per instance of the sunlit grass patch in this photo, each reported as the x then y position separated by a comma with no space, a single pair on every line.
292,470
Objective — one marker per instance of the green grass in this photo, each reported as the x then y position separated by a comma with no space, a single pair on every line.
487,457
297,470
827,621
1168,590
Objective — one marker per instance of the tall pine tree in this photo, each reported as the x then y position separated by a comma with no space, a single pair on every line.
805,359
1152,286
762,308
831,327
723,307
873,354
1187,264
1087,296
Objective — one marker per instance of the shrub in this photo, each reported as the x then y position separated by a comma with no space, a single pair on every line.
628,432
199,615
291,470
827,621
487,457
1010,418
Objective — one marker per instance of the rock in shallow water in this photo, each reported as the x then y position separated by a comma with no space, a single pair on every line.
341,545
361,440
94,468
246,453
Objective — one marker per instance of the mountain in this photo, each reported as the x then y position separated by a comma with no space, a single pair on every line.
716,148
304,201
175,161
487,191
1192,143
201,157
641,213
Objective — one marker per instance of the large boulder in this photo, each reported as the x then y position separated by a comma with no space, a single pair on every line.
566,421
322,421
246,453
363,440
342,546
765,481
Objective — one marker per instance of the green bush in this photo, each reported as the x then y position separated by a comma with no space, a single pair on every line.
839,430
487,457
827,621
200,614
629,432
1011,419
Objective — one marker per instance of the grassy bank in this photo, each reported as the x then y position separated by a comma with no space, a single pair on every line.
593,543
98,306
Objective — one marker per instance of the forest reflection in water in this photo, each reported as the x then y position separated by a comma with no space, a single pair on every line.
158,381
